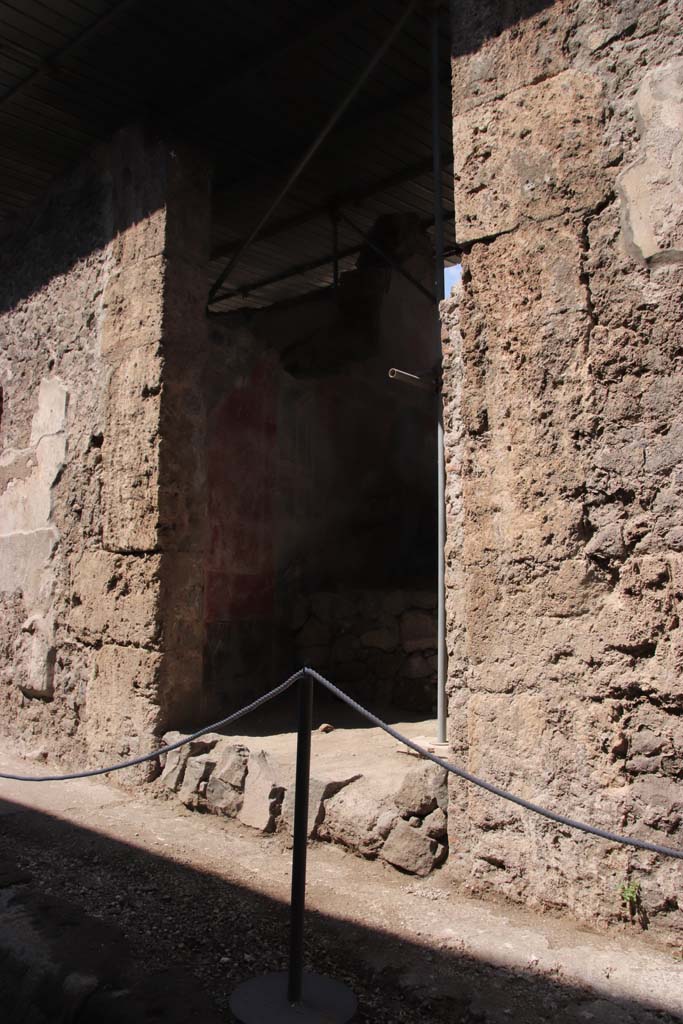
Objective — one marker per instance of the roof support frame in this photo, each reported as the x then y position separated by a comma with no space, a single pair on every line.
313,148
48,66
333,202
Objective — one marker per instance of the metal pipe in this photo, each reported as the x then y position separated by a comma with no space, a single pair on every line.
424,383
398,267
442,666
315,145
303,770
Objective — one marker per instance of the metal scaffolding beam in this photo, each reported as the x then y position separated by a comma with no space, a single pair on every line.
336,201
313,148
363,118
48,67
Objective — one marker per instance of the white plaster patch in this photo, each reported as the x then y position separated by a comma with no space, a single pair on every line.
23,560
26,503
50,417
27,534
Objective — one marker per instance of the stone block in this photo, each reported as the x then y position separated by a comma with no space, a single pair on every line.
423,789
533,155
526,46
320,790
314,657
188,230
298,613
385,638
50,416
224,792
130,454
387,666
264,792
197,772
346,648
182,600
27,476
133,308
651,186
36,669
123,715
115,597
315,633
416,666
175,761
412,849
358,818
140,239
418,631
423,599
436,825
396,602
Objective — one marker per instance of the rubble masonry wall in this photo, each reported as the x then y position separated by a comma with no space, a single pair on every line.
101,475
564,374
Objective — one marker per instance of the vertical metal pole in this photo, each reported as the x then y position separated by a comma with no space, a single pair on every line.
303,768
441,714
335,247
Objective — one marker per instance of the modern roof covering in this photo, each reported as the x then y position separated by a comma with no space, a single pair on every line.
253,84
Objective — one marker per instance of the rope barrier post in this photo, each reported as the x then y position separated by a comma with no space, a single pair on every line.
298,902
296,996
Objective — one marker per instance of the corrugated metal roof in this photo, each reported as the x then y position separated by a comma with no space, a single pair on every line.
253,84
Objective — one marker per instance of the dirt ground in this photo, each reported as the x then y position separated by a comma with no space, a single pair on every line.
210,896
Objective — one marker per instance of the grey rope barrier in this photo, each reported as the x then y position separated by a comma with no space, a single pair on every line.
601,833
88,773
561,819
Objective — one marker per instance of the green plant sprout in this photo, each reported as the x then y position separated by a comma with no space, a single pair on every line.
632,897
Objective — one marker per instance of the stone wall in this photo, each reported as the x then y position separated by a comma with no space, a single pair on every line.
564,371
101,490
379,646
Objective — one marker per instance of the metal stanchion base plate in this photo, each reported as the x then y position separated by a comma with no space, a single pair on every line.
264,1001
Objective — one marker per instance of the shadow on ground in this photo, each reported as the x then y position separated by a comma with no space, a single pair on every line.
179,939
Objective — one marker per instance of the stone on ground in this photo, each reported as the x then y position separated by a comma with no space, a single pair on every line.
320,790
175,762
225,788
412,849
423,789
436,825
263,792
197,772
359,818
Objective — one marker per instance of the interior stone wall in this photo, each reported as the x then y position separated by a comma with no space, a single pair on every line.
102,491
564,371
378,645
321,474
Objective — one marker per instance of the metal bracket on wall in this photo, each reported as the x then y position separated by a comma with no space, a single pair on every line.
424,381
